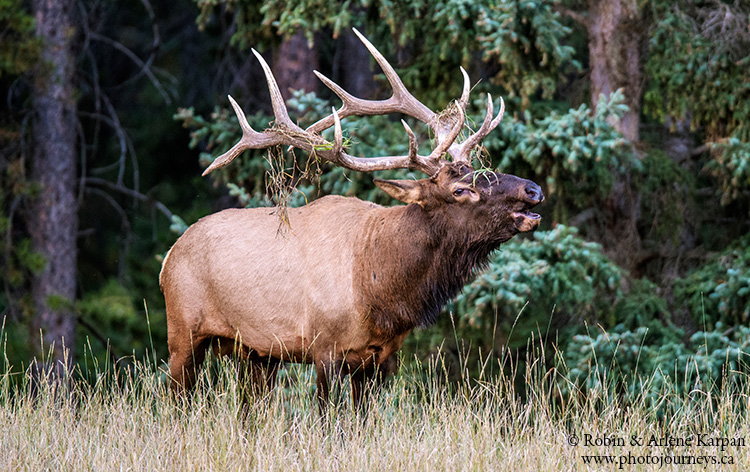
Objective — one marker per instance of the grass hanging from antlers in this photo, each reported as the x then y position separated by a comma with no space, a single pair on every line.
280,183
285,173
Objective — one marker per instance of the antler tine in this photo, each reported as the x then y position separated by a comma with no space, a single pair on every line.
443,129
464,100
402,101
338,135
369,164
251,139
413,145
409,104
345,110
445,144
465,148
277,101
430,164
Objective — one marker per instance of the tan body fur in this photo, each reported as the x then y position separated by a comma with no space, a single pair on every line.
284,292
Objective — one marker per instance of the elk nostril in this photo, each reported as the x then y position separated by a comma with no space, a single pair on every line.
534,192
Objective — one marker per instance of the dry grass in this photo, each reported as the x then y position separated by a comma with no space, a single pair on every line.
127,420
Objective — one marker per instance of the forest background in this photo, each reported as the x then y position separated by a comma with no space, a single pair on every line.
632,115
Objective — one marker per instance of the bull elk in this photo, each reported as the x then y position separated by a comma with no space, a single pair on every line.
350,279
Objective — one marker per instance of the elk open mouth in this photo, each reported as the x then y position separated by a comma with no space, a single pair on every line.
526,214
526,220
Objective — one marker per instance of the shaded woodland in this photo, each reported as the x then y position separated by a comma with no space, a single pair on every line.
633,116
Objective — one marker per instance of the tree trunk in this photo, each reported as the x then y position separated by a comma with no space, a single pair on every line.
53,221
615,32
293,65
614,36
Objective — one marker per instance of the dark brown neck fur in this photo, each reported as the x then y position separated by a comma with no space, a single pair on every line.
410,265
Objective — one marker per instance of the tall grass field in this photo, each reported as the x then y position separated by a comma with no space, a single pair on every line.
123,417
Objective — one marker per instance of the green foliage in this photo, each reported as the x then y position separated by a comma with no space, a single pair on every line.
178,226
18,261
699,53
667,194
309,16
630,349
579,153
699,69
19,48
118,327
218,134
730,165
644,351
524,38
719,291
637,362
555,272
261,24
519,34
643,306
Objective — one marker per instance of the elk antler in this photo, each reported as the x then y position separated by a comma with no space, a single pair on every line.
445,126
464,149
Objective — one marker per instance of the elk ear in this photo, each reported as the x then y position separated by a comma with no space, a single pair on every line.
407,191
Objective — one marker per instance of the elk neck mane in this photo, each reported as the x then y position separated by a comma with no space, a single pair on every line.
410,264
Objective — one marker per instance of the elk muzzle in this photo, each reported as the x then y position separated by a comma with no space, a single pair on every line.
525,219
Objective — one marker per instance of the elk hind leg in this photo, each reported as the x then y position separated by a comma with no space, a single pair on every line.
184,361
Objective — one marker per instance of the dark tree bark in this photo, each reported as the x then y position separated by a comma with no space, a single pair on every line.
293,65
615,32
53,221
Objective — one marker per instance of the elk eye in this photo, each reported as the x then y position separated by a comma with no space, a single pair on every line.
461,191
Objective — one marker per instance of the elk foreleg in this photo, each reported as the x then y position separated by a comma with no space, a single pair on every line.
362,380
329,373
367,380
